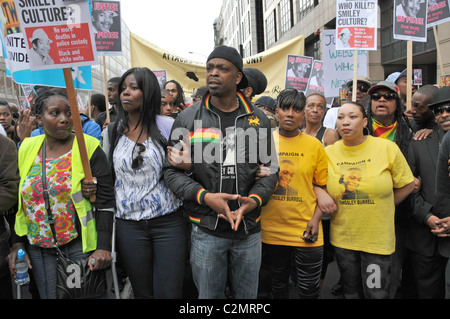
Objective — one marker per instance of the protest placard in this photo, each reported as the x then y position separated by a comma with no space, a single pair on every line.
24,103
316,80
17,59
417,76
298,70
57,33
445,80
107,27
338,65
438,12
161,75
410,20
356,24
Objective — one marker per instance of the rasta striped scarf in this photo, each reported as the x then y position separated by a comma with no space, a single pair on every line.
387,132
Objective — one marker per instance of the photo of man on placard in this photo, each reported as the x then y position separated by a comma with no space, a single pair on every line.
39,54
410,20
409,8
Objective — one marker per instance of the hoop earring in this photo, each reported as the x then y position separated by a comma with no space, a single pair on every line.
366,131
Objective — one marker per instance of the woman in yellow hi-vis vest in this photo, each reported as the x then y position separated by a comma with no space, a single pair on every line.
83,229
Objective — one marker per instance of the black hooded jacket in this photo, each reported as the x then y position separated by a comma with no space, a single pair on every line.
254,146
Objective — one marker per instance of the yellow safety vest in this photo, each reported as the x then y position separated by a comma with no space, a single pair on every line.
28,151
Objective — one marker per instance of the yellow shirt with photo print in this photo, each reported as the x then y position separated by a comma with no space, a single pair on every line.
302,161
361,180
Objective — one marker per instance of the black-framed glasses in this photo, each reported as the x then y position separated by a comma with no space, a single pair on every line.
361,88
138,160
439,110
387,96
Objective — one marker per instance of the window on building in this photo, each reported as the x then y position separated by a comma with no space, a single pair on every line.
268,3
248,49
286,18
305,6
313,47
271,29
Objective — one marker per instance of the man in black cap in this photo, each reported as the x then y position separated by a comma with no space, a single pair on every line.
198,94
441,109
222,197
257,83
268,105
428,253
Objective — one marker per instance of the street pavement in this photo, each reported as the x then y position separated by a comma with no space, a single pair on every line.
331,278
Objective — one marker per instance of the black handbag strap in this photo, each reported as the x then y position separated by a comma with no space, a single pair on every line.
48,208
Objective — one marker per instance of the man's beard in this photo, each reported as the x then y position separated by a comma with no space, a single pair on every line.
384,118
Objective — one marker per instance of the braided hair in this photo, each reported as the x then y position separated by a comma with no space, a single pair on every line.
404,132
39,104
180,96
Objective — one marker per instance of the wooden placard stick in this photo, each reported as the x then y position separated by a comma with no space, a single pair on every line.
89,104
106,91
77,125
355,74
409,66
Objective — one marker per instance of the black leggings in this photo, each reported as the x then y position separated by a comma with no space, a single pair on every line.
307,262
153,254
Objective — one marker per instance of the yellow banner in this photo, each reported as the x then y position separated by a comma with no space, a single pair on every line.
271,62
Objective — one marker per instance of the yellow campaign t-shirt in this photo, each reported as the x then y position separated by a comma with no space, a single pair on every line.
361,180
302,161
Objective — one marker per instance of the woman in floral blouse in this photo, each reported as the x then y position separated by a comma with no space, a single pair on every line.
82,228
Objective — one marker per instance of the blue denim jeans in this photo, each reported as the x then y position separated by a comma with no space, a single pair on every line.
43,261
214,258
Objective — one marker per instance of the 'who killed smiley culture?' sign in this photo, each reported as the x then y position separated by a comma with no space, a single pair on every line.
356,24
58,33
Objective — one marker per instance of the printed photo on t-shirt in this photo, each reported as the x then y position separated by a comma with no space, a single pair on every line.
285,189
229,146
353,186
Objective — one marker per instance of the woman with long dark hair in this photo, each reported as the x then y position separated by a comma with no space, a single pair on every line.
151,231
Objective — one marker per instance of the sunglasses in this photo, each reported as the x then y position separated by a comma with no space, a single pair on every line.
387,96
138,160
361,88
441,109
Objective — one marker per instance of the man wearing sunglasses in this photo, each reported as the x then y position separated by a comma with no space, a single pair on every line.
386,120
428,253
362,87
441,109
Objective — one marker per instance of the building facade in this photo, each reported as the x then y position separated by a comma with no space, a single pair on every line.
253,26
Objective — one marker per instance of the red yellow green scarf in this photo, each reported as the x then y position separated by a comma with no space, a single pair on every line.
387,132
